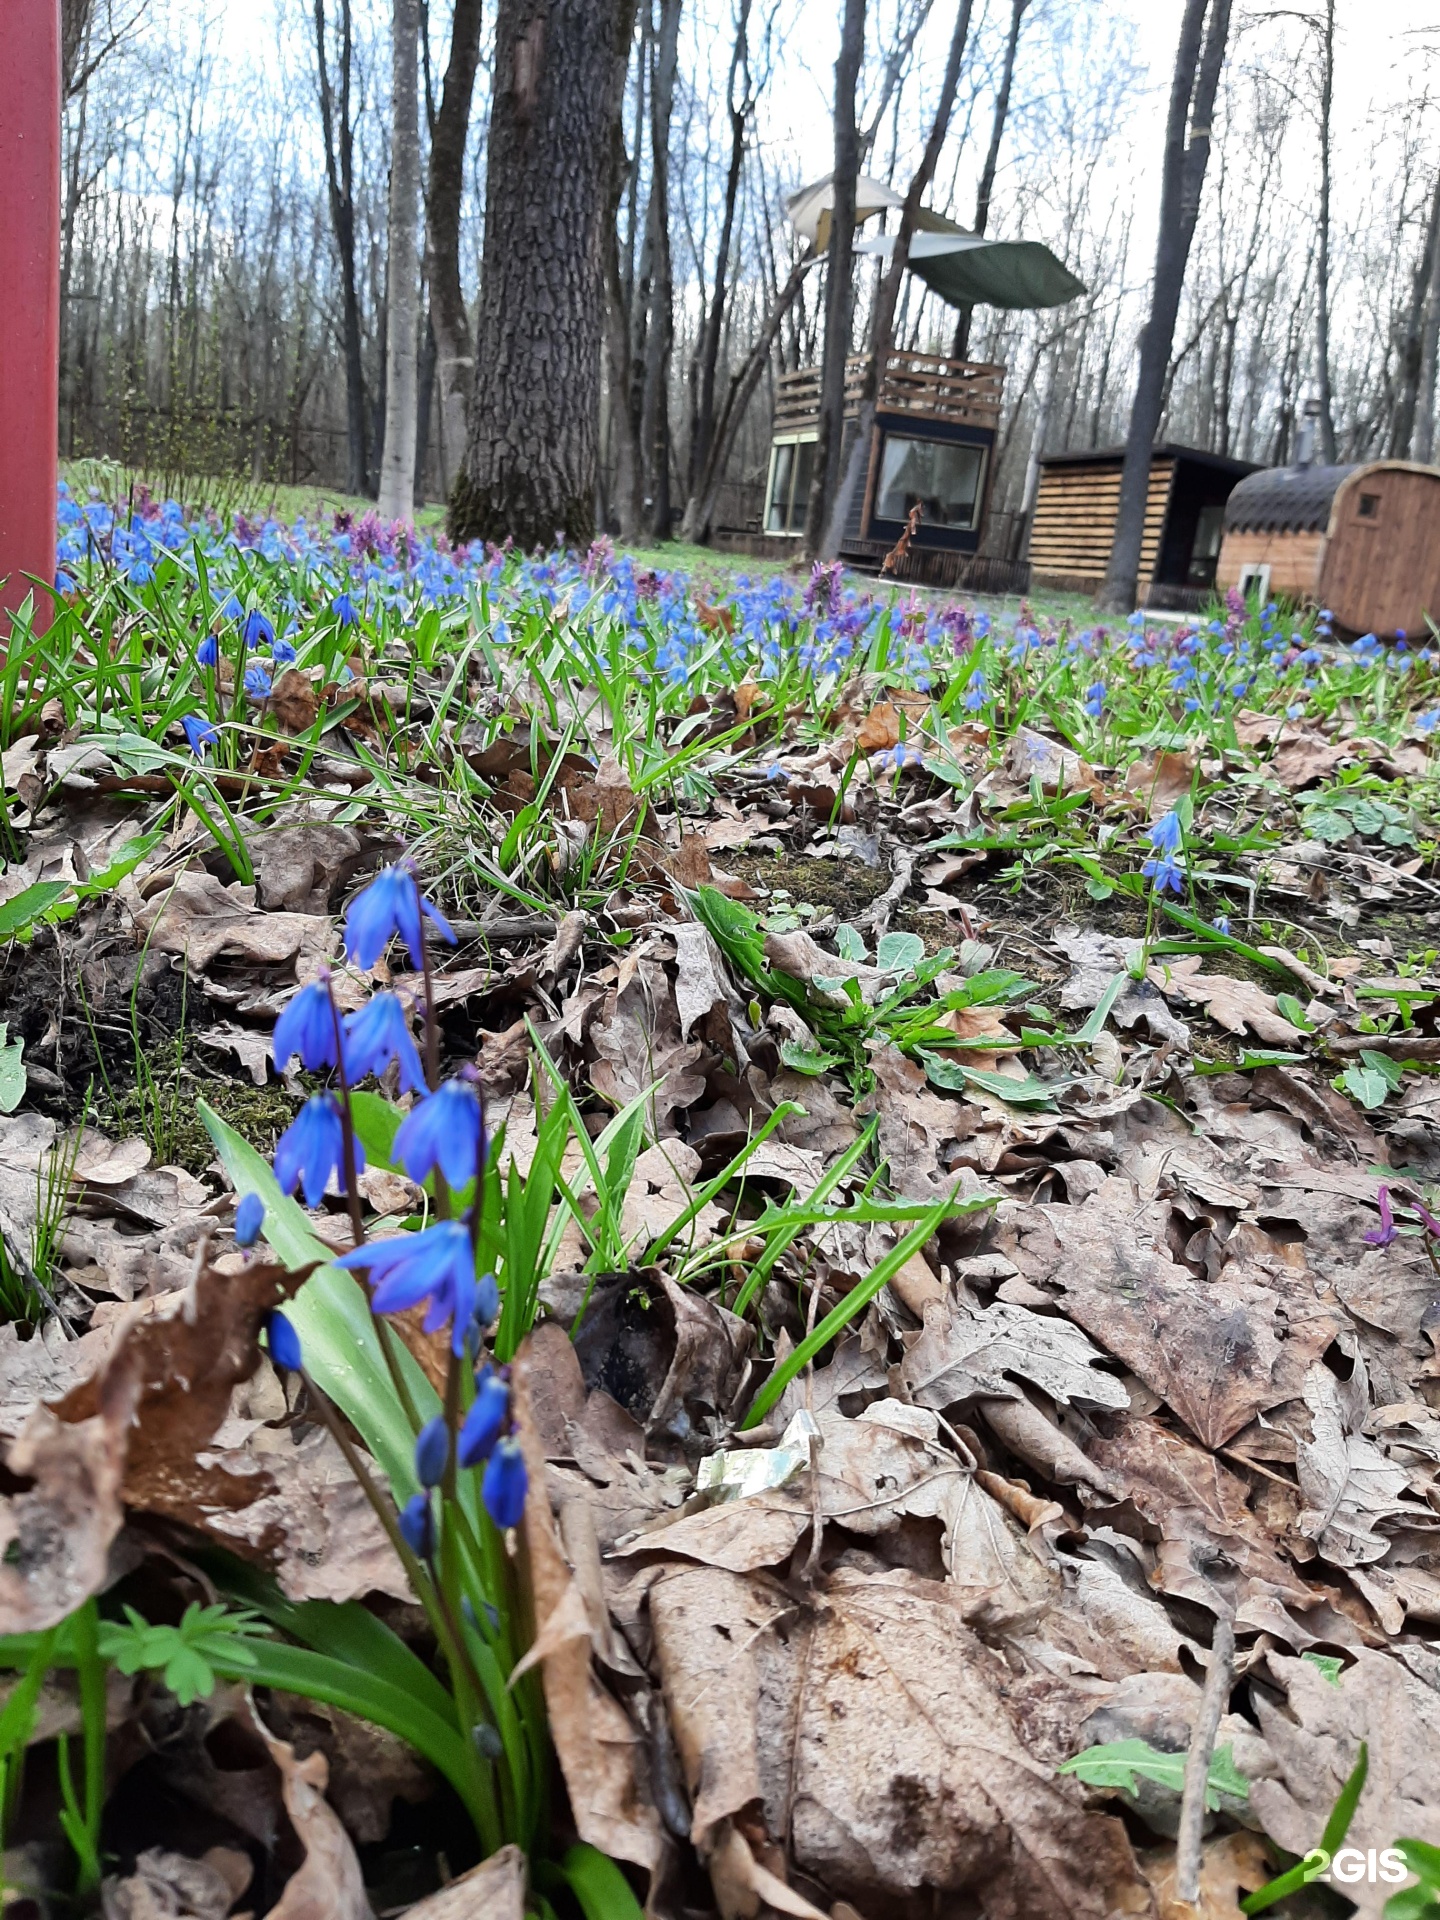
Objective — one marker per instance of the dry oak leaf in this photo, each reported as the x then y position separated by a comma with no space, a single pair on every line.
1303,758
1230,1864
1162,778
495,1890
879,729
638,1050
1218,1351
328,1884
1314,1738
194,915
55,1537
871,1729
293,702
1233,1004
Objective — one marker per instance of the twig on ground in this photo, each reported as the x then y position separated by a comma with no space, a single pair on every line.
877,915
1197,1762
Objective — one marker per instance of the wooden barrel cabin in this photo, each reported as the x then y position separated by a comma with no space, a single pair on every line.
1362,540
1073,525
932,447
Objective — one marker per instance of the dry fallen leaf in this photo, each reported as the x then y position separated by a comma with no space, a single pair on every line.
1233,1004
328,1884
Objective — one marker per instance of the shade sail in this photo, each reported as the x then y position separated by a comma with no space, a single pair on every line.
967,270
809,209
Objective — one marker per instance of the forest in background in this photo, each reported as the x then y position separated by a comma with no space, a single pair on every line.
225,273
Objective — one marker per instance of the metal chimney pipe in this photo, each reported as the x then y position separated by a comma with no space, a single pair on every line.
1305,438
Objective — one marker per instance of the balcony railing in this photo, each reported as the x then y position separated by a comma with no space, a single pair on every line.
923,386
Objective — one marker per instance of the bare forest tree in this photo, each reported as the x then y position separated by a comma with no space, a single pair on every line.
402,270
1198,61
338,130
531,456
444,195
985,191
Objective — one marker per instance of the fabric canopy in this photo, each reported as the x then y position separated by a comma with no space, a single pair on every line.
809,210
967,270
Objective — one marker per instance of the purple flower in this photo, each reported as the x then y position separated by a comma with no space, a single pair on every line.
312,1148
284,1343
378,1034
307,1027
445,1131
432,1451
391,904
1387,1230
437,1264
486,1419
505,1484
200,734
416,1521
258,630
249,1219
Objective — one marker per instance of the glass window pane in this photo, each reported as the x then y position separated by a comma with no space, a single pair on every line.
777,512
804,468
942,476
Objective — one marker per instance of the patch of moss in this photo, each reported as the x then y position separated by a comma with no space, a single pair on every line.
175,1133
844,887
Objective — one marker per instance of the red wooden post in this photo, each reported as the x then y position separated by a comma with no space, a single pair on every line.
30,282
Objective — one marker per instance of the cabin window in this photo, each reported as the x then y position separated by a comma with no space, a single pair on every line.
1369,506
1209,526
792,461
944,478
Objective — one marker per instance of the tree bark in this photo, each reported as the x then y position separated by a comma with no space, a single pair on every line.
660,333
402,273
883,321
1423,443
1192,97
986,189
445,186
1322,251
339,137
1412,346
532,453
838,273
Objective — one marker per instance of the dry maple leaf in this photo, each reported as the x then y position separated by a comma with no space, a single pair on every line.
1233,1004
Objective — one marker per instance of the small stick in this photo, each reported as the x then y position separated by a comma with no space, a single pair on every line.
1197,1761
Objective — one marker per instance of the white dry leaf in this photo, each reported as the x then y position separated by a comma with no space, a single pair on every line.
699,975
1348,1482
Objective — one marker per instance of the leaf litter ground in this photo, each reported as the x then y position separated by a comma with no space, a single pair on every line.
868,867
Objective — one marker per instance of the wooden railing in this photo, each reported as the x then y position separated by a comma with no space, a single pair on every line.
924,386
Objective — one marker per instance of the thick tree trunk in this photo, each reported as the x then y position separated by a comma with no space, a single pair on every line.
984,193
1322,262
339,137
1412,346
883,322
1192,97
1423,443
660,335
397,460
445,186
838,273
532,453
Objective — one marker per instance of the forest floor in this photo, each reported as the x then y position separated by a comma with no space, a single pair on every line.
992,1257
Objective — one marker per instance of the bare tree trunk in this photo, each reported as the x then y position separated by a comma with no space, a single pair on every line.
454,363
883,320
707,347
1192,97
1412,347
402,273
986,189
532,453
1322,260
700,509
339,136
837,285
1423,445
660,334
74,30
627,300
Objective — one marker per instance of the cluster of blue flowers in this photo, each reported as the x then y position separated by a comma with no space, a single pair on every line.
443,1135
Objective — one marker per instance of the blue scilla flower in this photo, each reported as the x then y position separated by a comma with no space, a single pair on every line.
377,1034
343,609
1165,834
257,683
282,653
307,1027
1168,876
312,1148
432,1451
975,698
437,1264
249,1219
200,733
284,1343
1095,699
505,1484
391,904
208,651
486,1419
258,630
1221,923
445,1131
1427,722
416,1521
